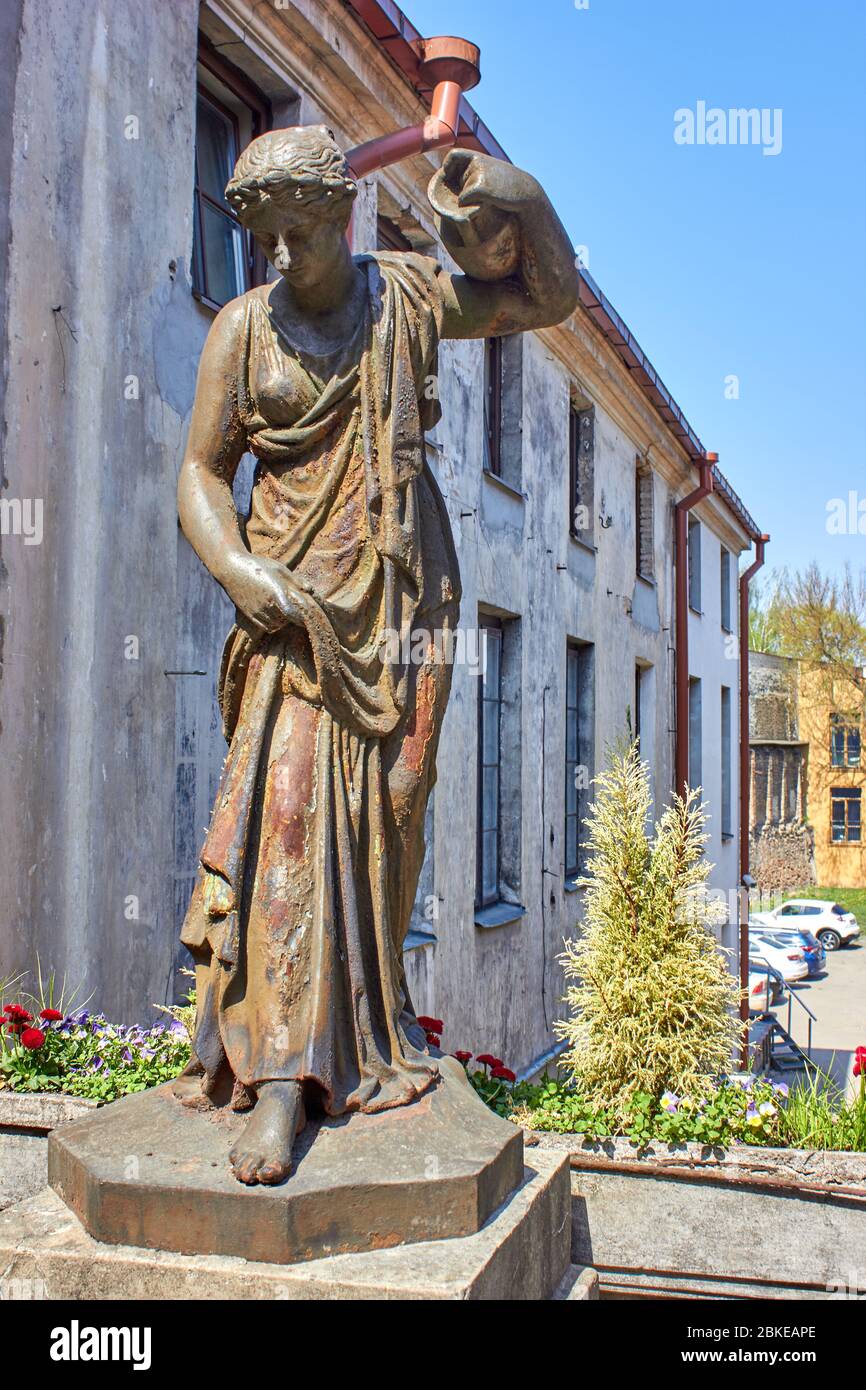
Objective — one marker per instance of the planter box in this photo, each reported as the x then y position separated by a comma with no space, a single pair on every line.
25,1123
689,1221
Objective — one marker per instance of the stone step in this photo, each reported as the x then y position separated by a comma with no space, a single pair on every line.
519,1254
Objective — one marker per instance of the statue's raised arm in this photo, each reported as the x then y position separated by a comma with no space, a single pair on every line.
499,226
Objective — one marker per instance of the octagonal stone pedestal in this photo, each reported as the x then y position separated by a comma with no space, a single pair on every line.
150,1172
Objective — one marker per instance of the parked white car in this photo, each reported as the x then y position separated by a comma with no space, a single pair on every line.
788,960
765,990
833,926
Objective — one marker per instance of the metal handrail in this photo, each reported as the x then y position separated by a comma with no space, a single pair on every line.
813,1018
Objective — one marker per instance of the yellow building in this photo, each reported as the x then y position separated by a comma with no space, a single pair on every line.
831,722
808,773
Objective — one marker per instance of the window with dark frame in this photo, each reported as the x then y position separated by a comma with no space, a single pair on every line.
845,809
226,262
581,431
727,768
725,582
489,764
694,558
389,236
695,733
844,742
493,406
579,717
638,698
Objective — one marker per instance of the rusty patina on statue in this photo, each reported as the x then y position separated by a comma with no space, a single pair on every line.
311,862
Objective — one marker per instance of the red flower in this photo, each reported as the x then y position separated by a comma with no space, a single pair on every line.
51,1015
32,1038
503,1074
487,1060
859,1061
431,1025
463,1057
16,1013
434,1040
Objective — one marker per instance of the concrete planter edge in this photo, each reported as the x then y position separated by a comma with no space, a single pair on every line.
26,1120
686,1221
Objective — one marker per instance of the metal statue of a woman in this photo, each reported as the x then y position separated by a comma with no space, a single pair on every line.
311,862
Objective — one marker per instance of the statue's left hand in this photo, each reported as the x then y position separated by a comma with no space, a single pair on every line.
479,179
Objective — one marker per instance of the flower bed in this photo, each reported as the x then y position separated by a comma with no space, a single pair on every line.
732,1111
55,1066
82,1054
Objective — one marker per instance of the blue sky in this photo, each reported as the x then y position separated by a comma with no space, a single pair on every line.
722,260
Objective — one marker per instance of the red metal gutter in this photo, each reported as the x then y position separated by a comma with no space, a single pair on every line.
745,781
681,598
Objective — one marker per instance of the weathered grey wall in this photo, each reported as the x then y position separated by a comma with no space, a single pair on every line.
10,28
97,222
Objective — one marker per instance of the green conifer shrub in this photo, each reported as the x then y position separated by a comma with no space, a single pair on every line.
652,1006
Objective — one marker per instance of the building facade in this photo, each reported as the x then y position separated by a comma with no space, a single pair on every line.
560,456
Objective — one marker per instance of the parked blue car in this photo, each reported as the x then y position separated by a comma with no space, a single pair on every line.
813,952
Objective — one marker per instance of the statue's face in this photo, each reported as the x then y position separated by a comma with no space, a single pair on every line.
304,243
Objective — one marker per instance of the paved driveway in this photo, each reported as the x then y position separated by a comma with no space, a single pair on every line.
839,1002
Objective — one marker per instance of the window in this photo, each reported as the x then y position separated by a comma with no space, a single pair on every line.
694,565
578,748
493,406
638,701
229,113
581,445
643,718
727,770
845,815
572,762
695,733
499,809
844,742
727,624
643,514
489,763
389,235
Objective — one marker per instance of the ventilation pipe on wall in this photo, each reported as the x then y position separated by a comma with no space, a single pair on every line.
681,562
745,786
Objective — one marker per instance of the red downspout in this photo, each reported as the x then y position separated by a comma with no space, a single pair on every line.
745,787
451,67
681,685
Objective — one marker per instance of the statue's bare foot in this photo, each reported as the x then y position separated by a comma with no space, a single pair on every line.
263,1153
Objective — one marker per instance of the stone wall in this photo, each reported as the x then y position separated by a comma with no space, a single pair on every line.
783,858
782,843
101,348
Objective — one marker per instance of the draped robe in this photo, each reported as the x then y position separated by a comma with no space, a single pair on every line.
310,864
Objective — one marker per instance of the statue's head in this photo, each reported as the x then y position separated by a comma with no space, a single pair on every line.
294,191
